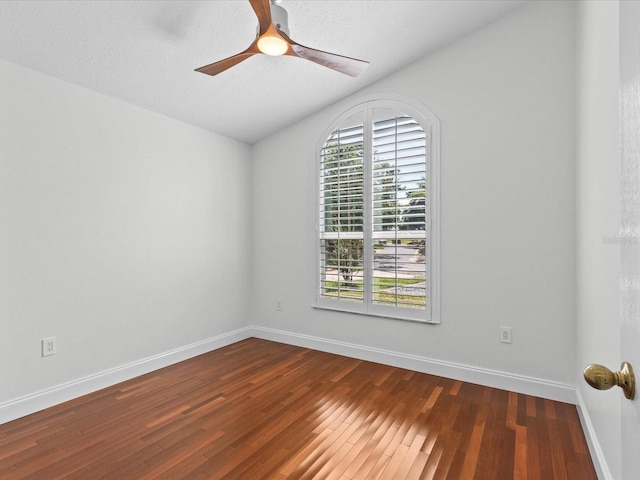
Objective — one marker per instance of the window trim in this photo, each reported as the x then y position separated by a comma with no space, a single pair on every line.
431,125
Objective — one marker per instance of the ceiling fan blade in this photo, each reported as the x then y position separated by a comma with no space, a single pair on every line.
222,65
262,8
347,65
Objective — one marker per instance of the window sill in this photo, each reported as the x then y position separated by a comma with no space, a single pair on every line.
374,314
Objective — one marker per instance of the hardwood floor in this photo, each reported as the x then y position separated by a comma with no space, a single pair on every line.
264,410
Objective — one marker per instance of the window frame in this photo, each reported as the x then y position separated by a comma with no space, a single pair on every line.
431,126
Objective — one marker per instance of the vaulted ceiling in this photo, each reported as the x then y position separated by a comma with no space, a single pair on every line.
144,52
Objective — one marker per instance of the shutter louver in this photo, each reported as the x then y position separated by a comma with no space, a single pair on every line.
400,206
342,215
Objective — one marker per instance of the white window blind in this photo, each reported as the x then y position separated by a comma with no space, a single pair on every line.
375,251
399,214
342,214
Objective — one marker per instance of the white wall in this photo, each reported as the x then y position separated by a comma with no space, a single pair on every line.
506,102
123,233
598,217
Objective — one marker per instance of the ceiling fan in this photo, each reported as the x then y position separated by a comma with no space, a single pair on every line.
273,39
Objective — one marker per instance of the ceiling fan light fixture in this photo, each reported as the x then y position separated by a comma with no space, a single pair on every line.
272,38
272,45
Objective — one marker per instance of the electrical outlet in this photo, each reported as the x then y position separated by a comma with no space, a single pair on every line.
278,304
505,334
49,346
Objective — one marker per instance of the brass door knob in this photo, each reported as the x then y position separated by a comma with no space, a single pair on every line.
601,378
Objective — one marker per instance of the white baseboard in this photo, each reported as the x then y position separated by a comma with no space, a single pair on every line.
516,383
28,404
481,376
597,455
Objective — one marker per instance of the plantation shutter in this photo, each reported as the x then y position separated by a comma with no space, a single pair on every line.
375,232
342,214
400,211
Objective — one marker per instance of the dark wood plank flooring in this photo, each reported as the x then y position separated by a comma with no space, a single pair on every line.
264,410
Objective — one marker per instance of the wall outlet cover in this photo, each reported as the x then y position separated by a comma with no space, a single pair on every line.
505,334
49,346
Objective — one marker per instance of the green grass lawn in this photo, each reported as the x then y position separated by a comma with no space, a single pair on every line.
354,290
378,283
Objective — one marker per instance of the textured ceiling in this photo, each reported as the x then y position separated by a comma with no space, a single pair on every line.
144,52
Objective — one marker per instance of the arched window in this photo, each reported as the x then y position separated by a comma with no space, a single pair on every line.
378,212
